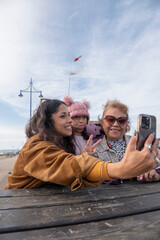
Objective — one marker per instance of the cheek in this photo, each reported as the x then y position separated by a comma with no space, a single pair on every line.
85,121
105,127
74,123
124,129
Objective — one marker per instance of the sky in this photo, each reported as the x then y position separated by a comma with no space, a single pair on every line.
119,41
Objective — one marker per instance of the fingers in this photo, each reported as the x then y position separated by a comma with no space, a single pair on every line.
149,139
154,147
149,176
96,143
89,141
140,178
132,144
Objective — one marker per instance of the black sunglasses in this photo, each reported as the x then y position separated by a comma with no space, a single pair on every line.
111,119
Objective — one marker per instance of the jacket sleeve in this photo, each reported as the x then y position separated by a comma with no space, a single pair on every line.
51,164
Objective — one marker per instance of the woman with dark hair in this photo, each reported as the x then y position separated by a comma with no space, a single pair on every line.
47,156
43,123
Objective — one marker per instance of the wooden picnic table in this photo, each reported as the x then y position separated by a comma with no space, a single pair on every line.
127,211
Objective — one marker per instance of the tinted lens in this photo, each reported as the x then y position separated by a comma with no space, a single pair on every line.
122,120
110,119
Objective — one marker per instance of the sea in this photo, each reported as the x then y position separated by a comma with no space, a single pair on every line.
9,151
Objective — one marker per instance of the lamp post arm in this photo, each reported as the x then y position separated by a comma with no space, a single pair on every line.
31,90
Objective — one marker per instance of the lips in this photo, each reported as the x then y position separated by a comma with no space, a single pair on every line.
81,127
68,127
115,130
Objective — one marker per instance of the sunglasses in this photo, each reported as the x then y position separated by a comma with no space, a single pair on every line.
111,120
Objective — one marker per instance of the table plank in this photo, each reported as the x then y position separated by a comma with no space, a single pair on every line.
53,216
130,187
56,197
142,226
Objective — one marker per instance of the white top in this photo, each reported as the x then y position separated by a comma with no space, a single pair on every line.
79,143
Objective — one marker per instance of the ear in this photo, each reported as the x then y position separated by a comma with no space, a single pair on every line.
86,104
68,101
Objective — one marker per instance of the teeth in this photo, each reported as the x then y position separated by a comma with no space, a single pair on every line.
69,127
115,130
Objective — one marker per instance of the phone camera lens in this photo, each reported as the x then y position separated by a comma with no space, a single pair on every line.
145,122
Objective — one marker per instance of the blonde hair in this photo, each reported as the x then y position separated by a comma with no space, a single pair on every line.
115,104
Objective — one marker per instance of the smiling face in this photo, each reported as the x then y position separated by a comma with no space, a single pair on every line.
79,124
114,131
62,121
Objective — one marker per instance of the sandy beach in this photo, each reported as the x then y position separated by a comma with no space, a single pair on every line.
6,165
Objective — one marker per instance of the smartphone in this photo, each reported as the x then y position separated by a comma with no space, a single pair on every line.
146,126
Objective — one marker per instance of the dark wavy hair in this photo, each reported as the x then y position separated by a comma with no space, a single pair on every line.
43,124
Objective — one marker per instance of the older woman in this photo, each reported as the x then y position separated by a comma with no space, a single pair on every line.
115,123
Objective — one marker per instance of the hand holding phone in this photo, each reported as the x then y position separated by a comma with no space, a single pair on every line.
146,126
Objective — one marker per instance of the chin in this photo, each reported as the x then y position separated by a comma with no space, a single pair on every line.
115,138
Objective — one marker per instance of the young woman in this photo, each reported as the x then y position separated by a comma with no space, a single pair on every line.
47,156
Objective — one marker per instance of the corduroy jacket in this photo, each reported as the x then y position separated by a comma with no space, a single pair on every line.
41,162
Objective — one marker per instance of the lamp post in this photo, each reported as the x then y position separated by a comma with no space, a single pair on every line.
31,90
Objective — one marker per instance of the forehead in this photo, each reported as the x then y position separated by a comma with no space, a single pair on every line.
114,112
62,108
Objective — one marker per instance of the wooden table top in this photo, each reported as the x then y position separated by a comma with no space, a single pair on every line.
127,211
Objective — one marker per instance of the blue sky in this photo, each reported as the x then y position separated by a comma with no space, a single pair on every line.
39,39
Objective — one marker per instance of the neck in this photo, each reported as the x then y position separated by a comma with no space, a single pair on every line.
77,134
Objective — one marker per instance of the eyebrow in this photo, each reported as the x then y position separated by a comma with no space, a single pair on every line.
63,113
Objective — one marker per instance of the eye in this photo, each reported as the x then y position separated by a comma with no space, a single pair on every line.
62,115
76,117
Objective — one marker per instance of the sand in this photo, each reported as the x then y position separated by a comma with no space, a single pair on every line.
6,165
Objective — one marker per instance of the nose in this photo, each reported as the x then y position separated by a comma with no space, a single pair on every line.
69,119
81,119
115,123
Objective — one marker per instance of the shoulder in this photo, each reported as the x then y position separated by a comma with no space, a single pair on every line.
36,142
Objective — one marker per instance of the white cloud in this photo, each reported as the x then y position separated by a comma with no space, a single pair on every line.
119,45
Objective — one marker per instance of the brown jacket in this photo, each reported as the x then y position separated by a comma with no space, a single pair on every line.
41,162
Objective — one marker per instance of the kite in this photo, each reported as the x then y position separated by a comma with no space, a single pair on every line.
76,59
74,73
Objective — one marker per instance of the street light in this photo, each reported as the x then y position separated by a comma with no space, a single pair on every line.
31,90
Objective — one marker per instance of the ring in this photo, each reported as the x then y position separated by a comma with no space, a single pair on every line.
157,161
148,146
155,155
92,153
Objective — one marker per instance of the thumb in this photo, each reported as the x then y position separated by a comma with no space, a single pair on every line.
132,144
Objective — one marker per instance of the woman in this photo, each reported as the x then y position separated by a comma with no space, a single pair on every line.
47,156
115,123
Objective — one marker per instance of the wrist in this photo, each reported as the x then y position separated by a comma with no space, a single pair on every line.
115,170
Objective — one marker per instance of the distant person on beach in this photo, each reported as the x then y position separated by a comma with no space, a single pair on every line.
48,155
80,117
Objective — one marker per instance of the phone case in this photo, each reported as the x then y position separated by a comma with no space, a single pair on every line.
143,133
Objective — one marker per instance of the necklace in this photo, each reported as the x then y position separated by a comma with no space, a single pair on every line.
118,147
